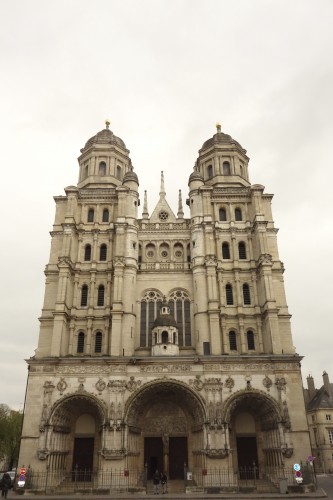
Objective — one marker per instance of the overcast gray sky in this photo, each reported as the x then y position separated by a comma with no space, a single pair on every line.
164,71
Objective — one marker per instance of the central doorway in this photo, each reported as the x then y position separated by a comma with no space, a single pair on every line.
247,456
178,457
83,458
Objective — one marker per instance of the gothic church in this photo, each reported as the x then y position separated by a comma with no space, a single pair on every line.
164,340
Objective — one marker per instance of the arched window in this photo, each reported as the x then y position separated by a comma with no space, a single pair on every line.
180,309
100,295
98,342
225,250
164,337
118,172
80,342
87,252
222,214
86,171
242,250
91,214
84,295
226,168
103,252
229,295
250,340
210,171
232,341
238,214
105,215
246,294
102,168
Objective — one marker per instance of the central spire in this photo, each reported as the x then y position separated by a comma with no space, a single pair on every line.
162,189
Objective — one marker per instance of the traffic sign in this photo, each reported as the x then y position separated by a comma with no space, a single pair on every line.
297,467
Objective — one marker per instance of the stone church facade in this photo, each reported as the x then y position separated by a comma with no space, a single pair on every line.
164,340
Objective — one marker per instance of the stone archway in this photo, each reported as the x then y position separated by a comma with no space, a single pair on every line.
165,421
72,433
256,432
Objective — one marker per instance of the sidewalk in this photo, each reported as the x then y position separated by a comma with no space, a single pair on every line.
198,496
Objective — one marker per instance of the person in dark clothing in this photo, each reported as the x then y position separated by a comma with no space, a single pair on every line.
164,482
5,484
156,482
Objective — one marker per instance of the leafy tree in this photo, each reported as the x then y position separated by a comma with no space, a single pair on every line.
10,434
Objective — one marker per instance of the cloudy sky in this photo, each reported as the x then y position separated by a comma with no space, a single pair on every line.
164,72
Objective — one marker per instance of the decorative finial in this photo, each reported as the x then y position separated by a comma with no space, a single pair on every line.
180,213
162,190
145,214
218,127
107,123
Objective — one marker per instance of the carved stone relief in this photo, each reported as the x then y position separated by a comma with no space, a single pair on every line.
100,385
62,385
267,382
133,384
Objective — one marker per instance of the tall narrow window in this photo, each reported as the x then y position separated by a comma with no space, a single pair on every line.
226,168
210,171
98,342
87,252
232,341
246,294
250,340
80,342
225,250
105,215
84,295
100,295
222,214
118,174
103,252
229,295
242,250
238,214
206,348
91,214
102,168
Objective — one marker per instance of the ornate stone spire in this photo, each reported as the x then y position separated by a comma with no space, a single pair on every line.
145,214
162,190
180,213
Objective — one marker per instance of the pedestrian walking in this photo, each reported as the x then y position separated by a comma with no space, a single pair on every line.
5,484
156,482
164,482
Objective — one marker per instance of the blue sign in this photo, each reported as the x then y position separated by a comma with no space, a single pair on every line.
297,467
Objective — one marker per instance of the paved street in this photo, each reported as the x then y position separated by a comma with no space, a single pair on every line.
326,483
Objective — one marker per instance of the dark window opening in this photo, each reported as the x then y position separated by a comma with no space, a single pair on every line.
250,340
210,171
98,342
91,214
206,348
100,295
242,250
87,252
84,295
238,214
222,214
103,252
164,337
105,215
229,295
232,341
225,251
246,294
80,342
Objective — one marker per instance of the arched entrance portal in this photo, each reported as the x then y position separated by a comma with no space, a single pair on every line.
74,433
165,421
256,430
